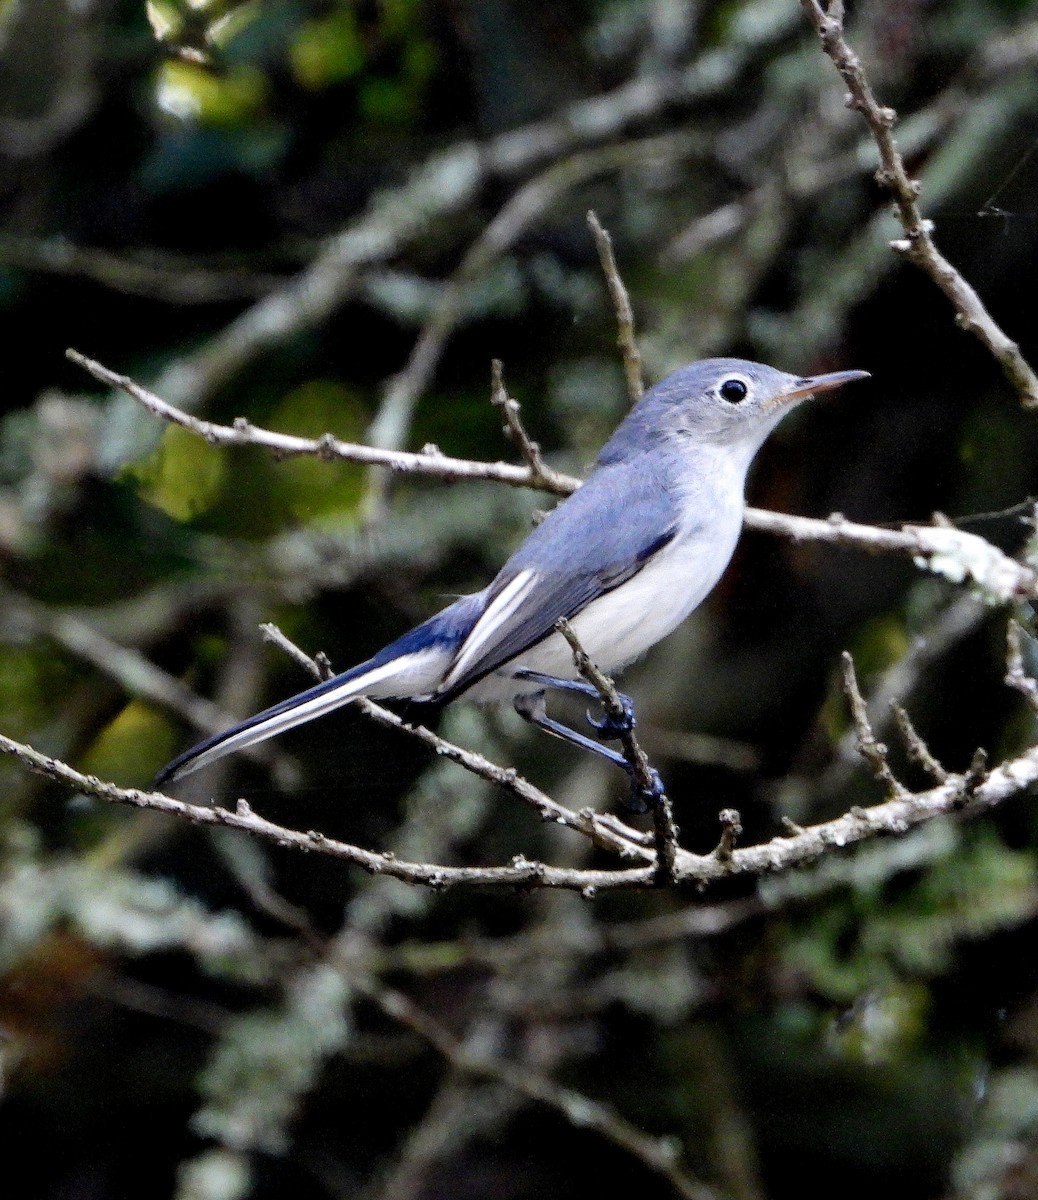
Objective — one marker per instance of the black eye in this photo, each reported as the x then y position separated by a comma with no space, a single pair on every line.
733,390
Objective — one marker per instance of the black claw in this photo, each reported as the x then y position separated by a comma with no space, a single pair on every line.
642,799
611,729
635,801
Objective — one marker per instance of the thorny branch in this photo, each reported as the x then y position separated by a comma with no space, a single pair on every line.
918,244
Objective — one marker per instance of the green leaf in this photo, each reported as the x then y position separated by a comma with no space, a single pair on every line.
328,51
194,93
184,475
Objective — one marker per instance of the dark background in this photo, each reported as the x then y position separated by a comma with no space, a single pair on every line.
178,1013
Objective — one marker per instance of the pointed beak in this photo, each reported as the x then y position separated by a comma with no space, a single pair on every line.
819,383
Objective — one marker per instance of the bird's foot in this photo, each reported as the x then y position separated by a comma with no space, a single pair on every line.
641,799
611,728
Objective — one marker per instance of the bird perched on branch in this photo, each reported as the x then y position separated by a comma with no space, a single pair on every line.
624,559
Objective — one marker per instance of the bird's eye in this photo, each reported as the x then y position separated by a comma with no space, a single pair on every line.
733,390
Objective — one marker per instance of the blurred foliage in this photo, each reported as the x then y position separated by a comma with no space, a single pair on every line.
179,176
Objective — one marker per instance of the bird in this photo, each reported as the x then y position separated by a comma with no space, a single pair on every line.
624,559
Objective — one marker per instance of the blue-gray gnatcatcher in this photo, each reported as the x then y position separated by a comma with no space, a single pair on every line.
625,559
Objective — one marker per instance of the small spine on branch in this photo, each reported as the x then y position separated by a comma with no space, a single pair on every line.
976,774
731,828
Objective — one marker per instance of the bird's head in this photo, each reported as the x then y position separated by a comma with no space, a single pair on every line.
719,402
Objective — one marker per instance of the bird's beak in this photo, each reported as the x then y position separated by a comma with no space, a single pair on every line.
819,383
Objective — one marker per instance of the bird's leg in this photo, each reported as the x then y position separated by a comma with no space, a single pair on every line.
609,728
533,708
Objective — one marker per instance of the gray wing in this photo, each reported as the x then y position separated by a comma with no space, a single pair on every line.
597,539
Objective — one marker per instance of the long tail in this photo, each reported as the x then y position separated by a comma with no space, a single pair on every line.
412,666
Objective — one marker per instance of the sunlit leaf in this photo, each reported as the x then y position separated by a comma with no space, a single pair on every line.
312,488
328,51
191,92
133,746
184,475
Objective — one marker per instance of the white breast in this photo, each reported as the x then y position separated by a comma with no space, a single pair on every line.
620,626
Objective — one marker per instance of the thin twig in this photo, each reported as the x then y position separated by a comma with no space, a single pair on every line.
874,752
947,628
643,776
1016,677
805,176
522,873
985,791
431,462
389,429
514,218
515,430
918,244
944,550
625,337
918,751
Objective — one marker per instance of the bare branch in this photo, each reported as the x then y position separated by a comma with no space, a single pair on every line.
945,550
977,792
872,751
430,462
625,337
918,244
942,549
805,176
918,750
540,475
953,623
522,873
